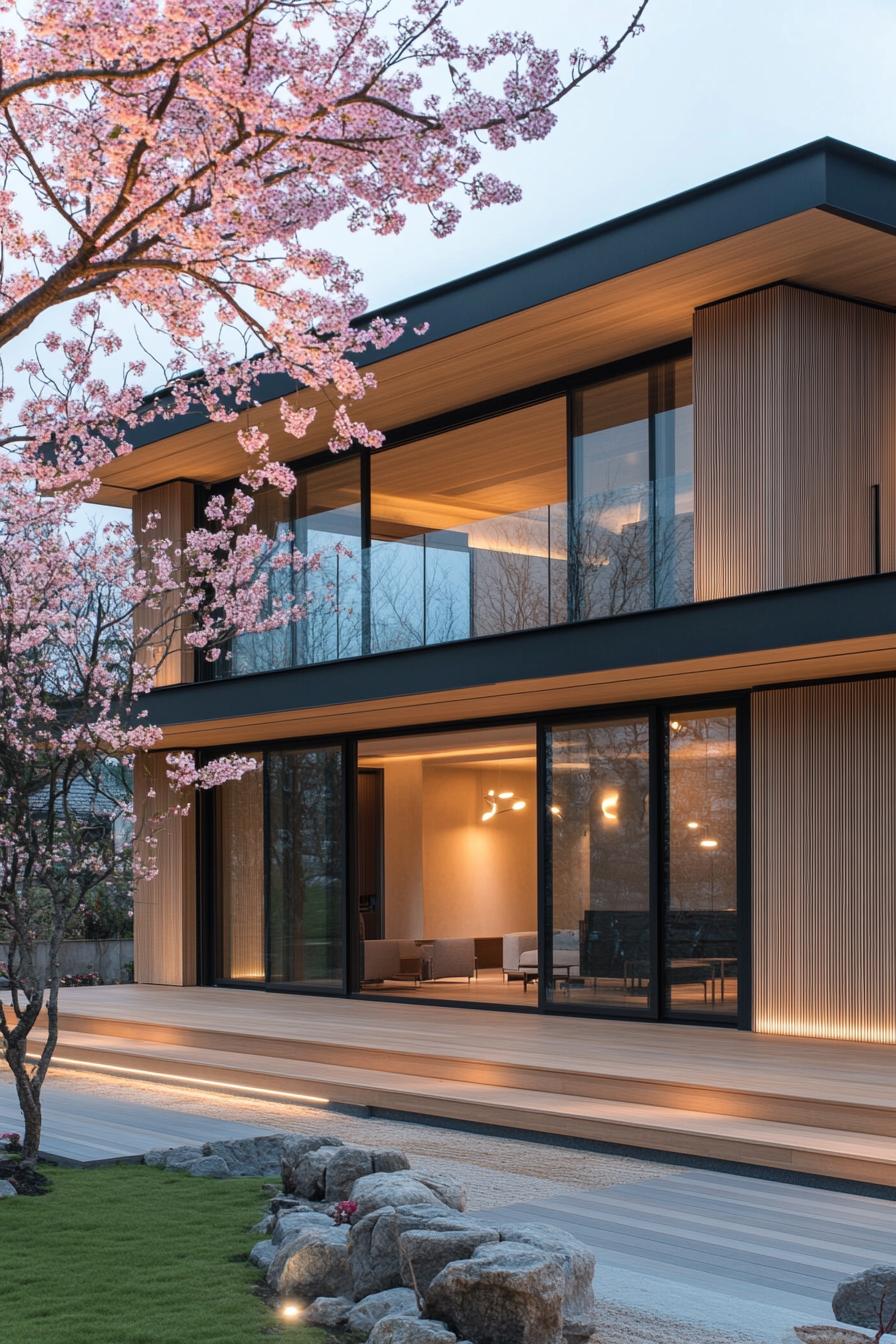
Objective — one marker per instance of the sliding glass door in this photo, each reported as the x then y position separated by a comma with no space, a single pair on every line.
599,944
279,866
642,916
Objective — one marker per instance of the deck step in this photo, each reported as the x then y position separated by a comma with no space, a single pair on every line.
798,1147
780,1096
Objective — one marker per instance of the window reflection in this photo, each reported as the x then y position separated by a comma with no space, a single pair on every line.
701,916
468,531
239,876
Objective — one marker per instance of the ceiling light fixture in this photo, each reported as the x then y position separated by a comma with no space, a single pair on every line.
709,844
505,801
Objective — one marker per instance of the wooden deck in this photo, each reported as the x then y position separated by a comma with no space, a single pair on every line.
827,1108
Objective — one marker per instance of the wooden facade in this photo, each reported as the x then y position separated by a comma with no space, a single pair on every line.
824,860
165,905
795,473
174,505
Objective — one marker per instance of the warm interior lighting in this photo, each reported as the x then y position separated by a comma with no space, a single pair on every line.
709,844
493,799
555,811
674,725
693,825
609,805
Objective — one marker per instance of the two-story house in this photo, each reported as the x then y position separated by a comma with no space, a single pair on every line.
593,712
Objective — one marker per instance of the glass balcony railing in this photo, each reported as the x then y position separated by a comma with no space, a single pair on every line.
617,552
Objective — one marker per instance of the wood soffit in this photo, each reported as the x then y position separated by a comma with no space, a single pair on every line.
626,315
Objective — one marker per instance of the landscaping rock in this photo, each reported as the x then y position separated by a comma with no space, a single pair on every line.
449,1191
298,1220
424,1252
373,1253
249,1157
262,1255
286,1203
577,1265
7,1190
389,1159
328,1311
309,1172
394,1302
209,1166
505,1294
294,1150
172,1158
347,1165
381,1189
313,1264
407,1330
265,1226
859,1299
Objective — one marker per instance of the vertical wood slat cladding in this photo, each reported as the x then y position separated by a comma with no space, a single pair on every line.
795,420
824,860
174,502
165,906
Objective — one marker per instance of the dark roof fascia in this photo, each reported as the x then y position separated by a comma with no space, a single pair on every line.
826,174
845,609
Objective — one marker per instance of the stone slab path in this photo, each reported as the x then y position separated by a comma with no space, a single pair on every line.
84,1130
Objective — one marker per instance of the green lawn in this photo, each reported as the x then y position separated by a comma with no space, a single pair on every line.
134,1255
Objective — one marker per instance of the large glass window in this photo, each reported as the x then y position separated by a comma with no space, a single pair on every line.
632,522
468,531
598,800
239,877
306,866
328,534
701,933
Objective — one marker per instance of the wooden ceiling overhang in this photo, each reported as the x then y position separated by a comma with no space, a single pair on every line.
823,216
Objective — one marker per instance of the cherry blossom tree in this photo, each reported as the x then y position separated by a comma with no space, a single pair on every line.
164,167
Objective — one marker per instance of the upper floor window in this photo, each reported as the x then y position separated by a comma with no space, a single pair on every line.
576,507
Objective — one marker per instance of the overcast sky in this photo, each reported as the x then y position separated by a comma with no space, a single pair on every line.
710,87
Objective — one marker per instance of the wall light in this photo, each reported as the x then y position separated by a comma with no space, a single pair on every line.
709,844
609,805
693,825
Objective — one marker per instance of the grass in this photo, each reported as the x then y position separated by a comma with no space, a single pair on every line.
135,1255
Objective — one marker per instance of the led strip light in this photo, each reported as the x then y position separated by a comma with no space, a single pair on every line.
130,1070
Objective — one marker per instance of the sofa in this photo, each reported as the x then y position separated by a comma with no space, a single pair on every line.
520,953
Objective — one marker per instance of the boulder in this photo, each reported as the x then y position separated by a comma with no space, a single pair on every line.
294,1150
313,1264
506,1294
172,1158
449,1191
577,1265
299,1220
347,1165
249,1157
373,1253
424,1252
327,1311
7,1190
393,1302
389,1159
287,1203
265,1226
381,1189
862,1298
407,1330
374,1241
209,1166
308,1174
262,1255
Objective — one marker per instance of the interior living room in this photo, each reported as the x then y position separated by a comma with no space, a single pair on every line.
447,866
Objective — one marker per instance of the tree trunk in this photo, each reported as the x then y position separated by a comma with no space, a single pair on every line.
28,1092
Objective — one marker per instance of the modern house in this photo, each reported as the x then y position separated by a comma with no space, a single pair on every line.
594,709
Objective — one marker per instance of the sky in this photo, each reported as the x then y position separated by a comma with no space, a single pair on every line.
710,87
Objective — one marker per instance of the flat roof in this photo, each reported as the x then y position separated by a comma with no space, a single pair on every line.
823,214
